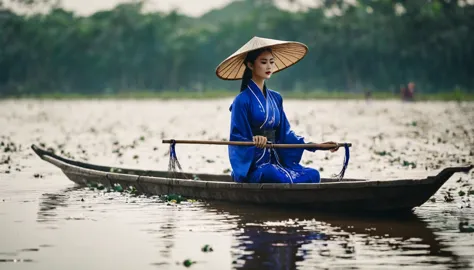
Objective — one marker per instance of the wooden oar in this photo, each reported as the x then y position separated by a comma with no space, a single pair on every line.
321,146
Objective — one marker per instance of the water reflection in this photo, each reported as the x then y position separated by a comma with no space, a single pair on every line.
269,238
49,202
280,239
277,247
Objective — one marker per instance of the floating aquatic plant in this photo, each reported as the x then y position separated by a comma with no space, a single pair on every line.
407,163
448,197
207,248
383,153
188,262
131,190
465,227
5,161
118,187
115,170
174,198
92,185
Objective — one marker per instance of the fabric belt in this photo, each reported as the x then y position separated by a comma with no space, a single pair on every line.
270,134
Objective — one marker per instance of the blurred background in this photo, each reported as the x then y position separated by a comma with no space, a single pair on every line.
115,65
357,48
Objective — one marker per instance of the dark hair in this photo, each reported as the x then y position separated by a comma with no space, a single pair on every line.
251,57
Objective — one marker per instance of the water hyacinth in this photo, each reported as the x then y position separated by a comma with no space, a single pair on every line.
465,227
207,248
382,153
173,198
470,191
407,163
118,187
97,186
131,190
188,263
115,170
92,185
448,197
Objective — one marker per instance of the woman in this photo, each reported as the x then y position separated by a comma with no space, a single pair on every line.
257,115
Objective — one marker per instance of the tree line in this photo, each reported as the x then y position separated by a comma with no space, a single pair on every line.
370,45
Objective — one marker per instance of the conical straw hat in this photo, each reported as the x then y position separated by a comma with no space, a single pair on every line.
286,54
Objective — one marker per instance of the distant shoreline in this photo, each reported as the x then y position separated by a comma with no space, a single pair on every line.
310,95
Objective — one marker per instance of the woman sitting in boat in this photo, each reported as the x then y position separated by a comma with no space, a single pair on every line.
257,115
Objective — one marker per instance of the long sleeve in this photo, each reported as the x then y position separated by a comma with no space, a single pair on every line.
288,156
241,157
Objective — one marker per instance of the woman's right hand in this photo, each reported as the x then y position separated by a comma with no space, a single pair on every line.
260,141
333,149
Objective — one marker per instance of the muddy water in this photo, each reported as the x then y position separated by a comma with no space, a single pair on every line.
48,223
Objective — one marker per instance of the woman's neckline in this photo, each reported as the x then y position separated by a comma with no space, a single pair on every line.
264,91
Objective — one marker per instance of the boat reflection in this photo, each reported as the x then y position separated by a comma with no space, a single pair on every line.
270,238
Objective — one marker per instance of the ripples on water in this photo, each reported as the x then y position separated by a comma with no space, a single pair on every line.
47,223
266,238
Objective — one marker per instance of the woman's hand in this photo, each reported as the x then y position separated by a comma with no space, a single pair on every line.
333,149
260,141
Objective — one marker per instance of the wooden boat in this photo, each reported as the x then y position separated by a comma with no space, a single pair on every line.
330,195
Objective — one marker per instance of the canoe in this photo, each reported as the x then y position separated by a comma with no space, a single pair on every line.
349,195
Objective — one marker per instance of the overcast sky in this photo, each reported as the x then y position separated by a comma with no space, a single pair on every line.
188,7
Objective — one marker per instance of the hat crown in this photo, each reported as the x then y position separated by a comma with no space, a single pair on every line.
257,43
287,53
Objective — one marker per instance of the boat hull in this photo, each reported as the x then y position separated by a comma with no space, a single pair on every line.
354,195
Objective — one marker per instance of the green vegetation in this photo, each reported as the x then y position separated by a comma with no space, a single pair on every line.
372,45
310,95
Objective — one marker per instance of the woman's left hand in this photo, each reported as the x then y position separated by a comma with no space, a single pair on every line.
333,149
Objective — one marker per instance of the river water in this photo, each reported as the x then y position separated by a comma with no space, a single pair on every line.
46,222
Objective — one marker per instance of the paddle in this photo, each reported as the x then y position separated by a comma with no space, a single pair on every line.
320,146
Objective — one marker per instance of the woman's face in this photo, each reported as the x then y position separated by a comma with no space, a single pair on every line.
263,65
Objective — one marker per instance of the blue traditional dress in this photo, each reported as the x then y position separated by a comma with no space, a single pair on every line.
252,114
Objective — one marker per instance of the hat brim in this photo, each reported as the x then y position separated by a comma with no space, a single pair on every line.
286,54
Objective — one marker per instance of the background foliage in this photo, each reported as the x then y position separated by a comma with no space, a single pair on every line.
374,45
